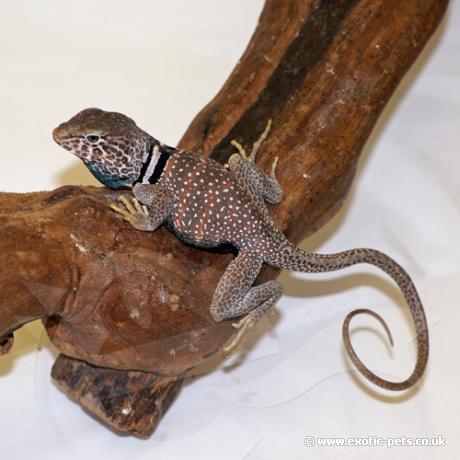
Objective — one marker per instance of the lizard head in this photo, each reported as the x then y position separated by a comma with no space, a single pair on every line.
110,144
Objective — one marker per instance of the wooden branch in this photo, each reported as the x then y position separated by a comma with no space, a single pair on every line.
124,300
128,401
323,70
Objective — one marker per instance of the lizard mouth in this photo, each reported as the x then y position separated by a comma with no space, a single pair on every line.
6,343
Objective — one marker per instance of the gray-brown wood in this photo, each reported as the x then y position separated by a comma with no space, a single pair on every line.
130,301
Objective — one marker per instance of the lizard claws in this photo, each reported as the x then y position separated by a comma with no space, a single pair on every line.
252,156
240,149
239,324
132,211
243,325
274,165
259,141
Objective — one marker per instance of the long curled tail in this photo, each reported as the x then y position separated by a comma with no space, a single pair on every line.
296,259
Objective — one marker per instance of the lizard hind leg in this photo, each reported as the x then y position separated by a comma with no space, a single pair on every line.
235,296
271,292
260,185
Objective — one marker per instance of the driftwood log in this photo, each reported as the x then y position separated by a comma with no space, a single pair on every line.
127,310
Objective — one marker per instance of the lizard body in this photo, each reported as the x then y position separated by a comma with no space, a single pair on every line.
209,205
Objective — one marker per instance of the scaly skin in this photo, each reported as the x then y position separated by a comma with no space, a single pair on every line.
209,205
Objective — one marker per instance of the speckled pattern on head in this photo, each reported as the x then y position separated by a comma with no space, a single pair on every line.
209,205
109,143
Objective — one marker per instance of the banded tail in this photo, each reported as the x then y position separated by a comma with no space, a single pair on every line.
296,259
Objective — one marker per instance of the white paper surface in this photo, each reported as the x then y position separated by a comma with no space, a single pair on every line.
160,62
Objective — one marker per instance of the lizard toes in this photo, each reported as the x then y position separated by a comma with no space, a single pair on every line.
119,210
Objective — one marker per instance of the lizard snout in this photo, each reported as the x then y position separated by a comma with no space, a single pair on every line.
59,133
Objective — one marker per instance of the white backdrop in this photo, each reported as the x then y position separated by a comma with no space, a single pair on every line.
160,63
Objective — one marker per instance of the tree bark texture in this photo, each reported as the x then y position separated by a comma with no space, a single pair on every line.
132,308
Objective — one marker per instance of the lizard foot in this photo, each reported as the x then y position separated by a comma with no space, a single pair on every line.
271,292
133,212
240,149
243,326
255,147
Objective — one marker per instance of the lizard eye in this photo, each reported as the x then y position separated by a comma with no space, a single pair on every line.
93,138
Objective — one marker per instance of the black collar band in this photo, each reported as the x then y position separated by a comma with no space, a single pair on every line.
165,154
145,165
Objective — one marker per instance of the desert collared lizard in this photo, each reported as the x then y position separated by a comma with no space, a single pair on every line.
209,205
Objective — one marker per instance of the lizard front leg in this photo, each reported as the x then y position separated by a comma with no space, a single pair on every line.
157,204
235,296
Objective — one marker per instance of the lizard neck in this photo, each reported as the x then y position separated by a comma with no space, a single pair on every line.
155,163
